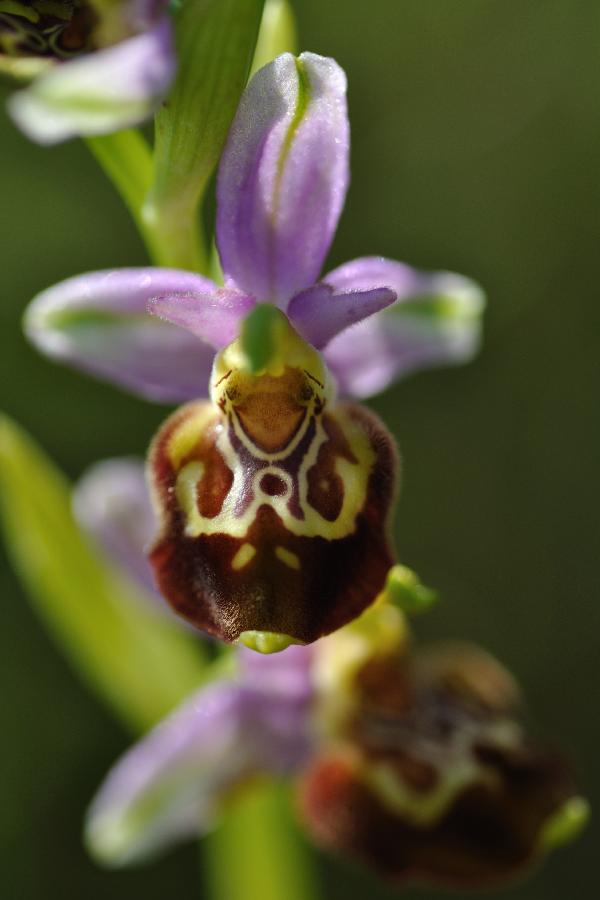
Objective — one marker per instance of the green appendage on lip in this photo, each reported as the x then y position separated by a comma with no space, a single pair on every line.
266,641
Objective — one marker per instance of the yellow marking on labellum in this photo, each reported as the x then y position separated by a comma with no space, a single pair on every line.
354,477
457,769
243,557
186,488
290,559
185,437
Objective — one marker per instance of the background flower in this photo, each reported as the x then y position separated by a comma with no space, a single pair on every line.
425,774
95,66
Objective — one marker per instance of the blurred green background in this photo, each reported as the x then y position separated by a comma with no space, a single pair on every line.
476,147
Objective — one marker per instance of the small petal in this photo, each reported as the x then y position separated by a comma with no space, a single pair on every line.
321,312
368,272
213,316
435,321
112,503
283,176
289,672
171,784
98,322
104,91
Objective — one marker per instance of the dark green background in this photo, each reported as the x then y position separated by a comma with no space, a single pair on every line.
476,147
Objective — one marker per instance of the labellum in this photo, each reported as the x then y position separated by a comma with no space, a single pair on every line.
274,501
46,28
432,779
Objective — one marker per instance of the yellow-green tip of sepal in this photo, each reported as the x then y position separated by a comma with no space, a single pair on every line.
404,589
565,825
266,641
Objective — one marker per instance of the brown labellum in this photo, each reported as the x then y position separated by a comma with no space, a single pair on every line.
274,508
434,781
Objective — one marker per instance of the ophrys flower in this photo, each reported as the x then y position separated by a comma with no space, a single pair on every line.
274,498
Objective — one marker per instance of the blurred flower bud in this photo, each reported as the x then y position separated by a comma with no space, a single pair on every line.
93,67
431,778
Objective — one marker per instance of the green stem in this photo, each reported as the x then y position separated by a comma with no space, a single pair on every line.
171,235
176,234
258,852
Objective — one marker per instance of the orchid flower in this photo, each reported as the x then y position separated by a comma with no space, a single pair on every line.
273,500
420,769
94,66
413,760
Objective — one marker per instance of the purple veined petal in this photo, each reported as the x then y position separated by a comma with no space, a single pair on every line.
141,14
98,323
104,91
112,503
435,321
283,176
368,272
213,316
320,312
288,672
171,784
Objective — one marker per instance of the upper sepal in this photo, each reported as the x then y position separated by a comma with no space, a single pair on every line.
283,176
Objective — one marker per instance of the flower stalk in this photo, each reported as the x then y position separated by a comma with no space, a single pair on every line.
272,860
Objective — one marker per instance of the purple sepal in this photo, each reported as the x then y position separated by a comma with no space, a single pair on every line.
320,312
435,321
368,272
283,176
171,784
98,323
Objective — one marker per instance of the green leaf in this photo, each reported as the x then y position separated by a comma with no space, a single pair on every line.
215,43
130,654
127,161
